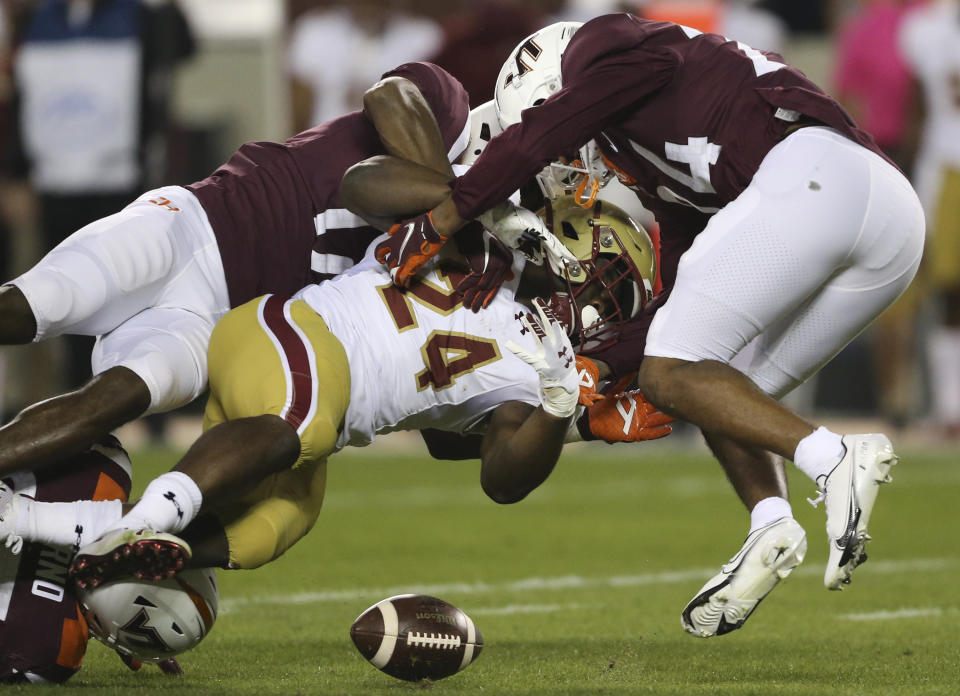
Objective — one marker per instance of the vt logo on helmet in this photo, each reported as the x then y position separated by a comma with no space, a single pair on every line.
532,72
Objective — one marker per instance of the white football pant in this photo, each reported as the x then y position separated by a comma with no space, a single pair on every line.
148,281
825,237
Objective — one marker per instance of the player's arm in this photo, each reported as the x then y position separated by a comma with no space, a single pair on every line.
556,128
519,450
406,124
383,189
523,442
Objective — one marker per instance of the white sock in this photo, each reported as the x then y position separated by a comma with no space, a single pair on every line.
65,524
819,453
943,353
169,504
769,510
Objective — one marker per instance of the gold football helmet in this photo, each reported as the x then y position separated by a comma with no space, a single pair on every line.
614,274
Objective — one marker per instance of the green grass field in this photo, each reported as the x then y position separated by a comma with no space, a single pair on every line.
578,589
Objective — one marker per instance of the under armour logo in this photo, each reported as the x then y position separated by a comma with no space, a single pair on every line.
563,354
78,530
172,497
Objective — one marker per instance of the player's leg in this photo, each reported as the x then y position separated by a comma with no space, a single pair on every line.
149,279
261,526
51,430
818,206
279,391
810,213
153,362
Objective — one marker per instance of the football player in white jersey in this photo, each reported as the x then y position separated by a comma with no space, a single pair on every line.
930,43
293,380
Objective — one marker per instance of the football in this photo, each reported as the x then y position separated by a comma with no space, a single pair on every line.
414,637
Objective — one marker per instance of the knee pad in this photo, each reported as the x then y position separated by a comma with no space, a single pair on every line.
166,348
275,516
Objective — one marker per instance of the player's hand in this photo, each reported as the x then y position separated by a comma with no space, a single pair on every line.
553,360
627,417
169,666
412,243
525,231
489,262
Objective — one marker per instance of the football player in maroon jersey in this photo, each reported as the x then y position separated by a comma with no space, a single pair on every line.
151,280
784,233
43,634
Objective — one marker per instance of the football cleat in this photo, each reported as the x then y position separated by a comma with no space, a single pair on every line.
849,492
142,553
8,515
768,555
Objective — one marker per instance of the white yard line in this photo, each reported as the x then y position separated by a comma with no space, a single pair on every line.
525,609
536,584
918,613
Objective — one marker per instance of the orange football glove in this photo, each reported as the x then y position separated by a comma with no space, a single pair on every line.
627,417
412,243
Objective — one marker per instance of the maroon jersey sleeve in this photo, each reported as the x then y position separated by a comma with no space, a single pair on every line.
605,71
43,635
447,99
683,118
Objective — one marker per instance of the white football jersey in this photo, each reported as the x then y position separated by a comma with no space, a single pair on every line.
930,43
418,358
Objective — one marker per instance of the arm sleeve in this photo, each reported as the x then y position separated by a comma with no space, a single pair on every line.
595,94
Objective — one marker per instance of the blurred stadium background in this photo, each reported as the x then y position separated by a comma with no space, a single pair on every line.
578,590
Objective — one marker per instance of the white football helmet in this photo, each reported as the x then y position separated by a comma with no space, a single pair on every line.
153,621
484,125
531,75
532,72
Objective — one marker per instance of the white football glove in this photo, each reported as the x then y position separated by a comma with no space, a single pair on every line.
553,360
525,231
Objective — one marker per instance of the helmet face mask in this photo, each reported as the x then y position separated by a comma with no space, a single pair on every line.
583,177
613,277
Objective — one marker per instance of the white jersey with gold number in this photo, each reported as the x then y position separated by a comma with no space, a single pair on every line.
418,358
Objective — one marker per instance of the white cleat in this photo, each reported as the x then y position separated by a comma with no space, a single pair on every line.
8,516
725,603
849,492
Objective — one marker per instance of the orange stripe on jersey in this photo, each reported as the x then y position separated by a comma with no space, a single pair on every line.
299,376
199,602
108,489
73,642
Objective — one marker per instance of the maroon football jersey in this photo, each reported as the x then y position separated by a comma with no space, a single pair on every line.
685,118
43,636
275,207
